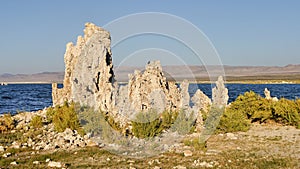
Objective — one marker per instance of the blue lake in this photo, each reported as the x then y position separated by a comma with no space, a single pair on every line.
32,97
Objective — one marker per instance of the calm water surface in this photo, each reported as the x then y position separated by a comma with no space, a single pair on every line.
32,97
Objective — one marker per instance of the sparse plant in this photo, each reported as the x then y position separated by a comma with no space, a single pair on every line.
36,122
195,143
6,123
64,117
150,124
184,123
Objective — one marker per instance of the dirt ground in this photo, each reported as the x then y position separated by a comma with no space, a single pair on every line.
263,146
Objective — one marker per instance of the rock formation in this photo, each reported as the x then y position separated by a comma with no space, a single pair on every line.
88,74
220,93
150,90
89,80
268,95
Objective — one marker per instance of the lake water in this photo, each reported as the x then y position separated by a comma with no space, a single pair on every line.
32,97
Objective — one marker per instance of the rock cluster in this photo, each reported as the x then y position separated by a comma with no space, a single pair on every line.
89,80
45,138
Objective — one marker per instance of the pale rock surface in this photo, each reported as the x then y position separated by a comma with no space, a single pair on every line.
54,164
268,95
88,73
187,153
150,90
220,93
201,105
2,149
185,97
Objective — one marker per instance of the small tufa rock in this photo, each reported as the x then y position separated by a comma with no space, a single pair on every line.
14,163
2,149
36,162
54,164
231,136
220,93
6,155
268,95
206,164
187,153
179,167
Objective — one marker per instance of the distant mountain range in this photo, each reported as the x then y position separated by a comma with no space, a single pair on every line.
194,73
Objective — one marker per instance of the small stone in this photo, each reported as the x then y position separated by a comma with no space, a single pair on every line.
54,164
187,153
14,163
206,164
108,159
179,167
91,143
231,136
36,162
6,155
156,167
2,149
13,131
48,160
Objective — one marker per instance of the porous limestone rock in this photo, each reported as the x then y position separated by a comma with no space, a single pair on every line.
201,101
89,73
185,96
268,95
220,93
201,105
150,90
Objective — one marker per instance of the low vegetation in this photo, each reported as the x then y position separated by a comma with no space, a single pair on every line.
36,122
6,123
64,117
251,107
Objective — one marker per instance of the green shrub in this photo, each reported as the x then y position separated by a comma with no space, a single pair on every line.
64,117
287,112
185,123
146,125
36,122
6,123
251,107
237,116
195,143
150,124
94,122
234,120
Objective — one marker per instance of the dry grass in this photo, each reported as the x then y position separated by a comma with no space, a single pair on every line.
260,147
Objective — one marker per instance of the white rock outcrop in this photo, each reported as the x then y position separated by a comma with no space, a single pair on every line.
220,93
89,73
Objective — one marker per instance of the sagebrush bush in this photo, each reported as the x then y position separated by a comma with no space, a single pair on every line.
150,124
184,123
287,112
64,117
36,122
6,123
251,107
195,143
94,123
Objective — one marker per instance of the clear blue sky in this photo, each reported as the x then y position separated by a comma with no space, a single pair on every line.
34,33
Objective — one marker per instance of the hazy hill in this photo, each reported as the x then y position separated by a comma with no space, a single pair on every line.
289,72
